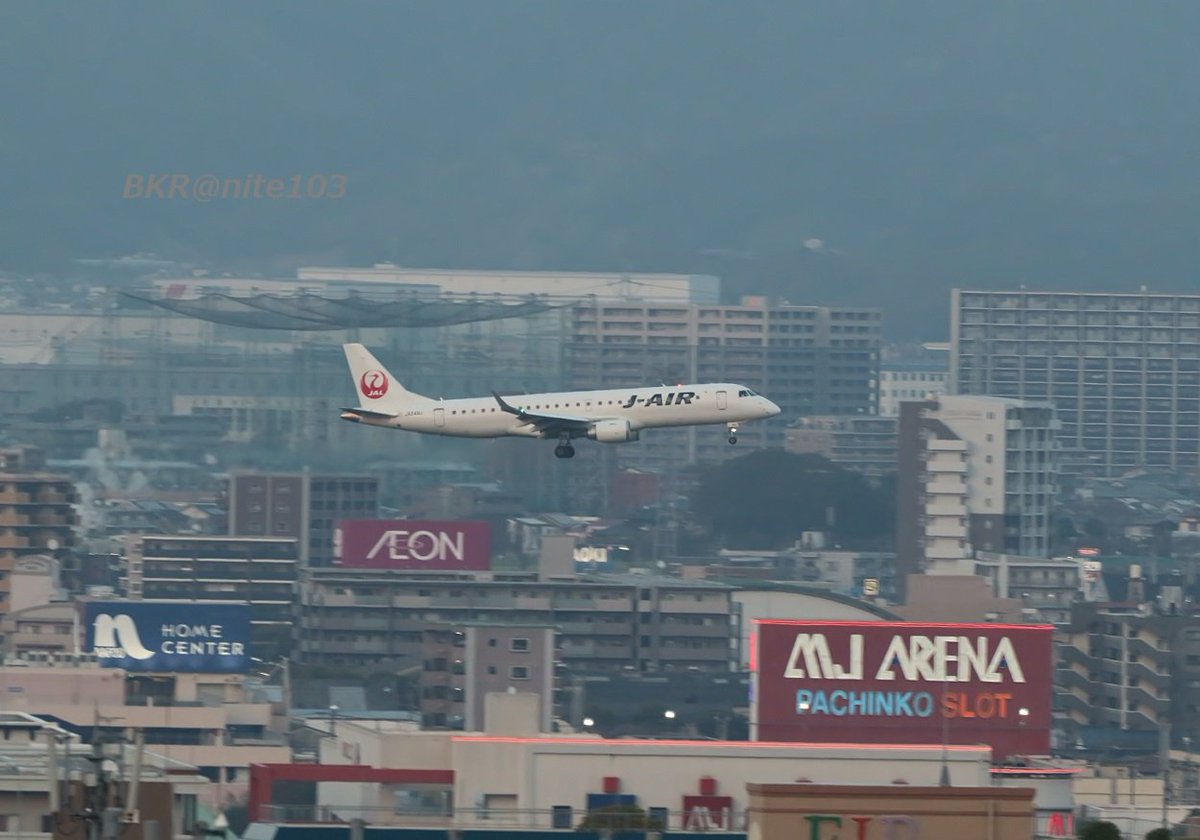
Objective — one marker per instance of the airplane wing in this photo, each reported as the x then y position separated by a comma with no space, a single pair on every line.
549,425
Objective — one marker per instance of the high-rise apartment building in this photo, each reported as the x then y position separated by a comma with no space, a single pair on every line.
36,514
1121,674
974,474
1122,370
807,359
300,506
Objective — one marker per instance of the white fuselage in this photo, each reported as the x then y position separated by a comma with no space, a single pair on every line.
643,408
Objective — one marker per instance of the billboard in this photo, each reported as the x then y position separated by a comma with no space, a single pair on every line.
168,635
904,683
412,544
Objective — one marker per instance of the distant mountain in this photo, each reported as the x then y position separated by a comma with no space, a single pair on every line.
823,151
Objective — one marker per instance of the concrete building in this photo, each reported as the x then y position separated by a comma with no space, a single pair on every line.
1122,370
42,630
36,516
766,601
214,722
908,379
464,663
42,770
861,443
799,810
300,506
974,474
605,624
1123,674
1047,586
471,780
262,571
954,599
605,286
807,359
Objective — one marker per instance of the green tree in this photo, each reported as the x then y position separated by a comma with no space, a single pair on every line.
768,498
619,818
1099,830
1158,834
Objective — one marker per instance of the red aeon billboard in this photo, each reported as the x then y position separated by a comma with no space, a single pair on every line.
904,683
412,544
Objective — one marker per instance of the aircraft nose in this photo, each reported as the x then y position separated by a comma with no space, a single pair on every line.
772,409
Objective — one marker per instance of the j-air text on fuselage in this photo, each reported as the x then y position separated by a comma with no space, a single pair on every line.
611,416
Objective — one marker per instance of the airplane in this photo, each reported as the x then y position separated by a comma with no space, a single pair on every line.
610,416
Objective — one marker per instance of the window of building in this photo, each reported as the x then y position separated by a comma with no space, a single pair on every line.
519,672
519,645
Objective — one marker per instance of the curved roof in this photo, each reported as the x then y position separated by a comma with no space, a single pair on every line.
313,312
815,592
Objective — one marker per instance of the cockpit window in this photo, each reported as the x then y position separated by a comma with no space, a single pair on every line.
746,392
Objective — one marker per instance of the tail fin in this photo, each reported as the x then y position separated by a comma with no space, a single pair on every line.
377,389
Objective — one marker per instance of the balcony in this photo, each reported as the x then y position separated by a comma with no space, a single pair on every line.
1161,681
1070,678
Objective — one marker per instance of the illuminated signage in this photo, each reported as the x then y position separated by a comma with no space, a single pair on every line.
412,544
904,683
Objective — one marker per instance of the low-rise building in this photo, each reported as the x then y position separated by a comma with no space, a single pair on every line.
605,623
261,571
1048,586
865,444
394,775
214,722
463,663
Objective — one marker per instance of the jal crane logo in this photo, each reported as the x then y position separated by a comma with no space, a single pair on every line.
116,637
373,384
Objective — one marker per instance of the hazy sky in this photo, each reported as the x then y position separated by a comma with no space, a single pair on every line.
924,144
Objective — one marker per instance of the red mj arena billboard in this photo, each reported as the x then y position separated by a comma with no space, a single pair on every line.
904,683
412,544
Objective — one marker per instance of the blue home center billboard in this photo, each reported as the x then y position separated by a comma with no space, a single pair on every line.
168,636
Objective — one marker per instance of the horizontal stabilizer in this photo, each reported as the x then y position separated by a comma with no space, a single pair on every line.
364,412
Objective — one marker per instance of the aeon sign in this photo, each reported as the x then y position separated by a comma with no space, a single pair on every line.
412,544
403,545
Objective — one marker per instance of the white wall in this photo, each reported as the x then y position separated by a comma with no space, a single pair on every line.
768,604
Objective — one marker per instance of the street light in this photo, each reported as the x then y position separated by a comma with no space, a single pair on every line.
588,723
669,714
333,710
1024,715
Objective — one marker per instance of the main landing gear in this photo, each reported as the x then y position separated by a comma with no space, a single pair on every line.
564,448
732,427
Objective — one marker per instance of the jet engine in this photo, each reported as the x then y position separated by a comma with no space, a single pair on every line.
612,431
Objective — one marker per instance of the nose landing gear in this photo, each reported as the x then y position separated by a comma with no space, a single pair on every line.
732,428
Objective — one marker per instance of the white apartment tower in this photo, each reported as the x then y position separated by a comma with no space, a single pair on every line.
974,474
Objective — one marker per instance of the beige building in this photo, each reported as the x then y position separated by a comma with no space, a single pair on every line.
883,812
512,777
973,474
213,722
605,624
47,631
463,664
34,752
36,517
